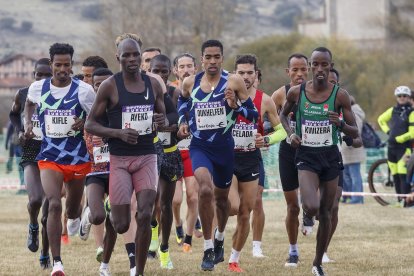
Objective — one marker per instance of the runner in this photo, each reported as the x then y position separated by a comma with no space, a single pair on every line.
63,104
147,55
30,149
248,165
209,99
132,101
297,71
316,137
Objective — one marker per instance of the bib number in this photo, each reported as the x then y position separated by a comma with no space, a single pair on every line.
210,115
138,117
58,123
165,138
244,136
316,133
101,154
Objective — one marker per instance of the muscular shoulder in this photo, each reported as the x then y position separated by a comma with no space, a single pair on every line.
279,96
343,97
188,84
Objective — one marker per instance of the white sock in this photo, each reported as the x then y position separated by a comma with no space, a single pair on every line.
104,265
257,244
208,244
219,235
234,256
293,249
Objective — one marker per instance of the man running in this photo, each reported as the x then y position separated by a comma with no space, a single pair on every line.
316,137
133,102
209,100
63,103
248,165
147,55
297,70
30,149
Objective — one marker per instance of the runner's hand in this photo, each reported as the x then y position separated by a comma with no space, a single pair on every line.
259,140
78,125
334,118
29,131
230,97
183,131
159,120
295,141
22,138
128,135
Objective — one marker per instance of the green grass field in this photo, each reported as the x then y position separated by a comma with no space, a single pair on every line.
370,240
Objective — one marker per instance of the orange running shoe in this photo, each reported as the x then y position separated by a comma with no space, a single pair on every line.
234,267
187,248
64,239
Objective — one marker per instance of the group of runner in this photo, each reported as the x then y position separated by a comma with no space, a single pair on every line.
133,138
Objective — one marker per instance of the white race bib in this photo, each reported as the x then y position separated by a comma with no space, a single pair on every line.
185,143
165,138
210,115
316,133
244,136
101,154
37,131
58,123
138,117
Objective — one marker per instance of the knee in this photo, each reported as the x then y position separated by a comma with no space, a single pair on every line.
55,206
206,193
192,200
166,207
121,226
35,202
144,216
97,218
222,203
293,210
244,215
43,220
311,209
176,202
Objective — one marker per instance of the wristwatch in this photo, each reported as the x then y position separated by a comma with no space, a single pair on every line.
266,140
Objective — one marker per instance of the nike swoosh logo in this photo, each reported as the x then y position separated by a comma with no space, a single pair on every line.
254,174
146,97
228,183
217,95
65,101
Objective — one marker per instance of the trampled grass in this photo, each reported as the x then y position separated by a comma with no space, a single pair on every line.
370,240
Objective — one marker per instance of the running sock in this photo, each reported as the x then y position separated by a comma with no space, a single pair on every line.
188,239
208,244
164,248
130,248
257,244
57,259
294,250
219,235
154,223
104,265
234,256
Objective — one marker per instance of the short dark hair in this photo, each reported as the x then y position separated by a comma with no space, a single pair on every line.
151,49
102,72
78,76
296,55
177,58
323,50
61,49
336,73
211,43
95,61
161,58
246,59
42,61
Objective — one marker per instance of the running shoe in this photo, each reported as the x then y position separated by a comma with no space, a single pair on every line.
187,248
218,250
258,253
99,254
179,234
57,269
198,230
85,225
44,261
104,271
234,267
292,261
152,255
326,259
307,225
73,226
317,270
154,239
165,259
208,260
133,271
33,238
64,239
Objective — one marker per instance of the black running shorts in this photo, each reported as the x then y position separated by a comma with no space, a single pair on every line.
287,167
246,165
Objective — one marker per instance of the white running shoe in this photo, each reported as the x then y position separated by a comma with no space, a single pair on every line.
57,269
325,259
73,226
133,271
85,225
258,253
104,271
307,225
317,270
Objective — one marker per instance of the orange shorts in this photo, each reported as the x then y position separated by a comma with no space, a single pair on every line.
70,172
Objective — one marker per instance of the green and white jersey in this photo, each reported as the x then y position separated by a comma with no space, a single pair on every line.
312,120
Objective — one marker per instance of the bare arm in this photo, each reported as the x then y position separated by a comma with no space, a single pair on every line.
14,115
29,109
279,98
348,127
183,108
159,106
269,107
291,98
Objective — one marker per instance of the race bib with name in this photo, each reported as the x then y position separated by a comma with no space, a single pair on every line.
165,138
185,143
101,154
58,123
138,117
210,115
316,133
244,136
37,131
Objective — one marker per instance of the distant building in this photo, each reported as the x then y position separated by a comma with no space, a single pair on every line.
16,72
363,22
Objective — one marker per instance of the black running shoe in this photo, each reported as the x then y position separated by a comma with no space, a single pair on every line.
218,251
307,226
317,270
179,234
198,224
44,261
152,255
292,261
33,238
208,260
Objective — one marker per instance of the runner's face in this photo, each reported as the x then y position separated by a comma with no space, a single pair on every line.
298,70
42,71
87,74
247,72
212,60
62,67
97,80
146,59
129,56
185,68
320,64
333,78
161,69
